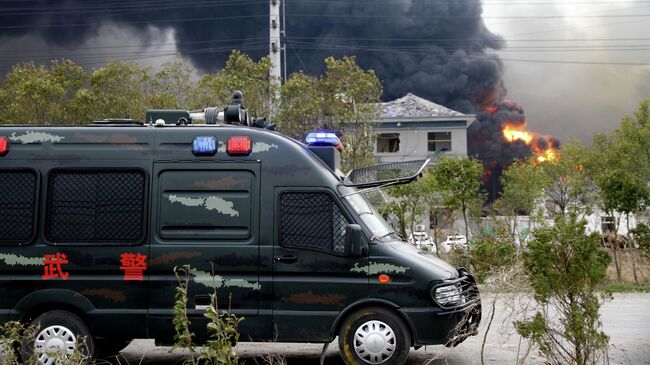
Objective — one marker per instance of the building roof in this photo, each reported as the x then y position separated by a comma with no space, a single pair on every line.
412,106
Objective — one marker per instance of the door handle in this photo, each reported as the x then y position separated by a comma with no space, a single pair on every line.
202,302
287,259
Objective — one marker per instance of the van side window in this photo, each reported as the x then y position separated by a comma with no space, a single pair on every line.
312,220
95,206
209,205
17,205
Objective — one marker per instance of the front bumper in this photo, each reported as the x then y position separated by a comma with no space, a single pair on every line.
449,324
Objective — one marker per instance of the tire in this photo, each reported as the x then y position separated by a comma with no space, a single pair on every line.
62,330
374,336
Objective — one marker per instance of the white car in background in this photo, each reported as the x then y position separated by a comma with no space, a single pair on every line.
458,242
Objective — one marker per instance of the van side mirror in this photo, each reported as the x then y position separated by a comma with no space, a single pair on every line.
354,245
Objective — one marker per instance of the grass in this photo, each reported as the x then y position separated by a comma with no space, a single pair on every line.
617,287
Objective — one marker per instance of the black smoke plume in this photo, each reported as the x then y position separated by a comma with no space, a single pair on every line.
487,141
434,49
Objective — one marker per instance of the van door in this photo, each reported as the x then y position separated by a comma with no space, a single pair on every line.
206,217
312,278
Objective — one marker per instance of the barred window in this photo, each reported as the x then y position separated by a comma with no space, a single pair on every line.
95,206
17,205
312,220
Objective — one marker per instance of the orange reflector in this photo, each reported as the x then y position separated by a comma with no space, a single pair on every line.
4,145
239,146
383,278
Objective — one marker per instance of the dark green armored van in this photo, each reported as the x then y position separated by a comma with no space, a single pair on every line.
94,219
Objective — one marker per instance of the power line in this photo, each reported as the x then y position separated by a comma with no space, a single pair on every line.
389,50
134,22
117,10
471,16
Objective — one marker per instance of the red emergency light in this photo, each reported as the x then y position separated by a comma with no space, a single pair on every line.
239,146
4,145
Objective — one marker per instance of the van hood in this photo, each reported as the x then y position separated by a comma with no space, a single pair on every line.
424,260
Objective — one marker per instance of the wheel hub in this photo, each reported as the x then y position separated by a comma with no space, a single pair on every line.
53,341
374,342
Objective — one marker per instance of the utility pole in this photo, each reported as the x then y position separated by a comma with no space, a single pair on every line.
275,47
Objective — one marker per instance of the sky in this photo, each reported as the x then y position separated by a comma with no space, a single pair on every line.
570,64
574,100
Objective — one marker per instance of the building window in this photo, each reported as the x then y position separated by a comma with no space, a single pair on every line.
312,220
439,141
95,206
607,224
388,142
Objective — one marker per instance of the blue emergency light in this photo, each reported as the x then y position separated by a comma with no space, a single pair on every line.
204,146
322,139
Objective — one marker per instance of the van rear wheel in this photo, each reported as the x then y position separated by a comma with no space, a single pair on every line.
374,336
59,334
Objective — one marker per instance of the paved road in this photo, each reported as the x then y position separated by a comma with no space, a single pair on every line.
626,320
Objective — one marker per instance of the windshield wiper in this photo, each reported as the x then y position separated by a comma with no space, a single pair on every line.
386,235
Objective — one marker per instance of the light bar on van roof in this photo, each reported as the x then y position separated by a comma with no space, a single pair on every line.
239,146
323,139
4,145
204,146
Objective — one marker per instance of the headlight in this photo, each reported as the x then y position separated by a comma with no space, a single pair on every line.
448,295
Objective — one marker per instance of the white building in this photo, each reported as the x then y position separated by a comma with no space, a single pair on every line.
411,128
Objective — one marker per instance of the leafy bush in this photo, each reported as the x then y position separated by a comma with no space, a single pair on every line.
491,251
641,236
565,268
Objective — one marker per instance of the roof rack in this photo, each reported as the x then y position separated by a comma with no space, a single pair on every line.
118,122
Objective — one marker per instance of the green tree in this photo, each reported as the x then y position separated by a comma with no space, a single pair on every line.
565,268
118,90
241,73
406,205
32,94
459,180
620,168
300,111
568,189
349,96
72,78
343,99
435,205
172,86
523,188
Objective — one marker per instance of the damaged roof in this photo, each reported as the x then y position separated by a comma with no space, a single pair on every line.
412,106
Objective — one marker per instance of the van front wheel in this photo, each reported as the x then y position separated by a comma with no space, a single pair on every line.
59,334
374,336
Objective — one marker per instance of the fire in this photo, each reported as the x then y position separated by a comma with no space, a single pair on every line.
513,133
551,154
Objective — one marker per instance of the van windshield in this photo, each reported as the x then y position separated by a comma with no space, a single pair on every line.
379,228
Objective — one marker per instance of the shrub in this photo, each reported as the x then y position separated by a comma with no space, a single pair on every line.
565,267
490,252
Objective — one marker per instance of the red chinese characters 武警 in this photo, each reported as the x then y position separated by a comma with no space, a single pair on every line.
134,266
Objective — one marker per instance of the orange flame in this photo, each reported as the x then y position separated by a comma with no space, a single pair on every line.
513,133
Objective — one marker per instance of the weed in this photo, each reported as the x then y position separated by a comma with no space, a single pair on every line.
222,327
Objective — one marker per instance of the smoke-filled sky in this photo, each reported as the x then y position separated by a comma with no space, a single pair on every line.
443,50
